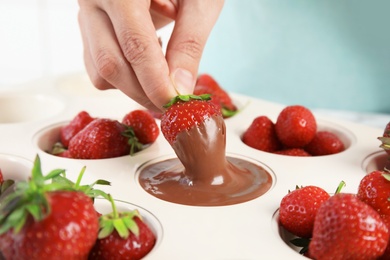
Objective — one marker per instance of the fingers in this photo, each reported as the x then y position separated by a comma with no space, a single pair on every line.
139,45
122,49
94,76
194,22
105,63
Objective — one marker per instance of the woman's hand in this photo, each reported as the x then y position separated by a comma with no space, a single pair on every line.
121,48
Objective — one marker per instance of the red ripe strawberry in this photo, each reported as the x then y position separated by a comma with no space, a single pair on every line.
386,255
102,138
144,125
385,139
50,221
347,228
299,208
68,230
293,152
206,84
325,143
80,121
185,112
131,239
295,126
261,135
374,189
1,177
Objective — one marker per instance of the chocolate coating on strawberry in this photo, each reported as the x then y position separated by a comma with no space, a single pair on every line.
203,175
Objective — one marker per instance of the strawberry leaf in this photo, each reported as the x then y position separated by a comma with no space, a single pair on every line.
228,113
5,185
301,242
386,176
385,142
135,145
29,197
121,228
58,148
54,173
123,223
107,227
186,98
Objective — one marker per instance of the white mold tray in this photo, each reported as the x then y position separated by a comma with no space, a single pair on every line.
30,120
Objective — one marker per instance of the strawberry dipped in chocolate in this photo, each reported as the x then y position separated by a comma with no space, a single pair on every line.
201,174
199,122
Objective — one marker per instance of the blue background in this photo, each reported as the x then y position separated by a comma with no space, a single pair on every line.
321,54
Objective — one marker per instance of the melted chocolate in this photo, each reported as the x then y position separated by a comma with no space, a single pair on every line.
202,175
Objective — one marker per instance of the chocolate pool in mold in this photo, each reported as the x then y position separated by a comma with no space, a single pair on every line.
245,179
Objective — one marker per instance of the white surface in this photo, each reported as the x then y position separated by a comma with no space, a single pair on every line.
41,38
370,119
242,231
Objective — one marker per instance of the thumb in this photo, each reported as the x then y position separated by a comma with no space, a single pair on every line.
194,22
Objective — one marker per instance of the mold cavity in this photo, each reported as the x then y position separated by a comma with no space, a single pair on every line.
244,179
26,108
283,233
47,137
376,161
104,207
14,167
345,136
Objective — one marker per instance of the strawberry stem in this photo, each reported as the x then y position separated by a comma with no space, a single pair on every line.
78,181
340,187
114,210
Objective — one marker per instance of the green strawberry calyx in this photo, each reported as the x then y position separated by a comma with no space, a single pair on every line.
385,142
226,112
385,145
58,148
5,185
186,98
134,143
29,197
122,222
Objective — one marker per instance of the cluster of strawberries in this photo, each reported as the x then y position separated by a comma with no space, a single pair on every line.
137,129
206,84
295,133
343,225
51,217
86,137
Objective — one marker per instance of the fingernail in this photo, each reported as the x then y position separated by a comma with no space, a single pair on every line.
183,81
